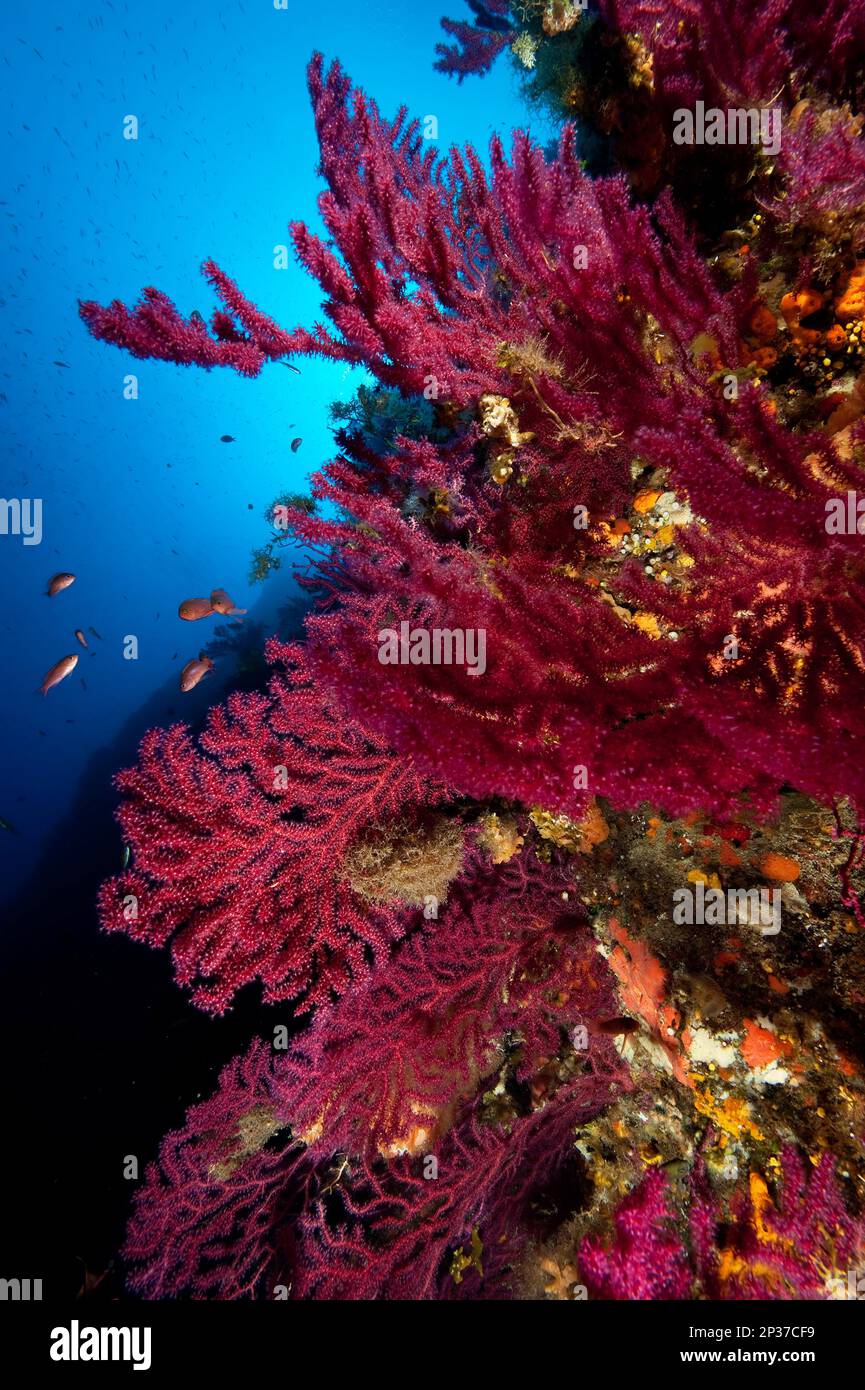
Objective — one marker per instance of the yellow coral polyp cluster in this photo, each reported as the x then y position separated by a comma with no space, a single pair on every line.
732,1115
580,837
254,1129
499,421
641,63
525,48
500,424
500,836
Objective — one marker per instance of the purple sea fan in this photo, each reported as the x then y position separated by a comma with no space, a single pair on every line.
718,53
350,1165
477,46
558,379
741,52
646,1259
827,45
822,164
399,1228
156,329
212,1217
799,1244
744,52
502,976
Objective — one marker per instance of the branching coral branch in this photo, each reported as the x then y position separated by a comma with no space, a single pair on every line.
239,844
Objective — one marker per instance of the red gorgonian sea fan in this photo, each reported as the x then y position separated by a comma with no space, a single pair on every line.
636,440
646,1259
578,338
692,49
477,45
310,1168
215,1219
503,975
799,1243
239,840
627,68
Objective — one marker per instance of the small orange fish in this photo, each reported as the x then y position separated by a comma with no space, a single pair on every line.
59,582
80,636
224,605
191,609
194,671
64,667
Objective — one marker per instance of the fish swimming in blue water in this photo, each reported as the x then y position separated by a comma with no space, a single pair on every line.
195,671
58,582
59,671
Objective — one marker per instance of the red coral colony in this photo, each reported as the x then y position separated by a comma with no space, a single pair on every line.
548,832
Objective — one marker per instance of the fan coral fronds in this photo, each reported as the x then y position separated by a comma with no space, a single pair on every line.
799,1244
485,1180
239,844
387,1080
208,1215
477,46
500,978
612,426
646,1259
590,662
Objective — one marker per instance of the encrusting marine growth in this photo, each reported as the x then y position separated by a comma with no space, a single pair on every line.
632,426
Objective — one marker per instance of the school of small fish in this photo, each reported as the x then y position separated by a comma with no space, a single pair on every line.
191,610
